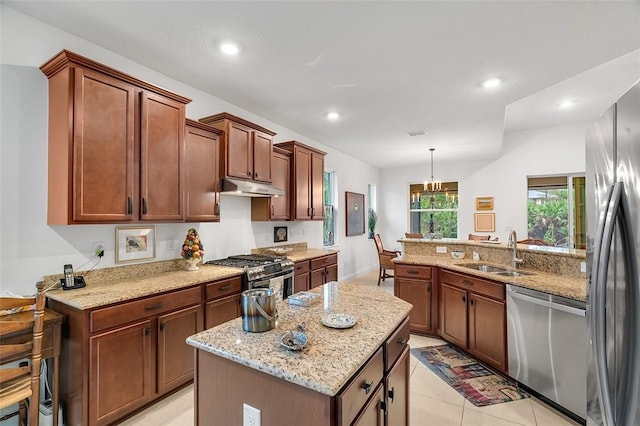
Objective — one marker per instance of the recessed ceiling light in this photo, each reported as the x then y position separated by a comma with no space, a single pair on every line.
567,103
491,83
229,48
333,115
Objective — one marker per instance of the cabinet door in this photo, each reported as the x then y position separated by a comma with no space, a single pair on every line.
119,372
161,157
202,177
301,282
454,315
239,152
418,293
222,310
317,278
317,186
331,273
262,151
103,149
302,206
175,357
487,332
397,392
373,412
280,206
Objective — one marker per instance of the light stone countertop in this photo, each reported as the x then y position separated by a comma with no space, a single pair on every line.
332,355
560,285
104,292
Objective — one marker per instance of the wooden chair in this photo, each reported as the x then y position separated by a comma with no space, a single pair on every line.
384,259
479,237
410,235
17,384
534,242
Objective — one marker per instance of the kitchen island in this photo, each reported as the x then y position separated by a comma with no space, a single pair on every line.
341,376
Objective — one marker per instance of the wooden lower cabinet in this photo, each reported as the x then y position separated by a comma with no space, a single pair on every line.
414,283
222,301
120,356
397,391
324,269
302,276
473,317
373,412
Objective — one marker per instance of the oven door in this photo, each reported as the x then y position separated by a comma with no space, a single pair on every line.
281,282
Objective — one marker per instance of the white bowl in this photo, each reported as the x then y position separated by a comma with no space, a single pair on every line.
458,255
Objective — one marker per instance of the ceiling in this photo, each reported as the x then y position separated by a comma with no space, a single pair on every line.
388,67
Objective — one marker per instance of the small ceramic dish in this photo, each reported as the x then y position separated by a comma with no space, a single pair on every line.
293,340
338,320
458,255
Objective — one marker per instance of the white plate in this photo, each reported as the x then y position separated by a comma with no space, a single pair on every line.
338,320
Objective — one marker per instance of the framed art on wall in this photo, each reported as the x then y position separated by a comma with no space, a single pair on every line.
485,222
355,213
135,243
279,234
484,203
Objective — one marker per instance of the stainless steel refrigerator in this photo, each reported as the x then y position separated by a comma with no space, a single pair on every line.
613,305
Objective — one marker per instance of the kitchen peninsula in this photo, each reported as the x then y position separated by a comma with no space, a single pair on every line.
341,376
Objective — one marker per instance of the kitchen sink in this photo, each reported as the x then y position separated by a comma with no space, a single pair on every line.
483,267
514,273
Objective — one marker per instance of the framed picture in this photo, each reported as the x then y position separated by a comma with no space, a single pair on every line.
135,243
485,222
279,234
484,203
355,213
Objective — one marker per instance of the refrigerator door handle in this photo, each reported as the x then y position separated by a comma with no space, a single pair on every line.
598,301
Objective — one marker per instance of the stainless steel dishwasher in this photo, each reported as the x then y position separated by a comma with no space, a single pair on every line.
547,345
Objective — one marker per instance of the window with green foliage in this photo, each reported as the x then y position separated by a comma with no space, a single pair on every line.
329,227
556,210
434,215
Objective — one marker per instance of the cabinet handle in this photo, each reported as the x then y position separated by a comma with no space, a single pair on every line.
216,208
147,331
465,282
162,326
413,272
464,299
129,206
390,393
471,301
367,387
402,341
144,205
225,287
154,307
256,175
273,211
248,173
429,287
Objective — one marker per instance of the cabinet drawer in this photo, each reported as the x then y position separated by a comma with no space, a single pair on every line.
218,289
301,267
412,271
321,262
104,318
355,395
475,285
395,344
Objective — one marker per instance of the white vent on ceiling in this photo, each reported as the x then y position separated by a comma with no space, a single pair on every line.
416,133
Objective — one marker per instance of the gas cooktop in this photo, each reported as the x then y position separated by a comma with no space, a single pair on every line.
248,260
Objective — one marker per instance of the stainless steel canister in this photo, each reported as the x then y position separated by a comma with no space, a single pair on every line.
259,310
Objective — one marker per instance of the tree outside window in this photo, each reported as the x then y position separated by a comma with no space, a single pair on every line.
434,215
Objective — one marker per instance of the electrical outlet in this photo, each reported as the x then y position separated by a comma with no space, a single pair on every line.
250,415
99,247
583,266
171,244
441,249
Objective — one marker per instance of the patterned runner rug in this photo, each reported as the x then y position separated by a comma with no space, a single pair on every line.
474,381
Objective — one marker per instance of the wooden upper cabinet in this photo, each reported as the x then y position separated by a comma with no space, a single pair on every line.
275,208
307,181
116,145
202,176
246,150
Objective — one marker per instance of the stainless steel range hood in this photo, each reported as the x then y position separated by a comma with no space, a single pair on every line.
248,188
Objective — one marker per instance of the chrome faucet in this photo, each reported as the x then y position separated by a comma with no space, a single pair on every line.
512,242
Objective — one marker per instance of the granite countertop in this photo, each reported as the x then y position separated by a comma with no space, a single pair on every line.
560,285
107,291
301,255
332,355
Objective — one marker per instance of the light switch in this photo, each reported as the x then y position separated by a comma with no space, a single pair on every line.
440,249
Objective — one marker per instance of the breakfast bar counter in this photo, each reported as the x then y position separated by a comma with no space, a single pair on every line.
311,386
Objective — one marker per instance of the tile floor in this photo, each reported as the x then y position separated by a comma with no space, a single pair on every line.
432,401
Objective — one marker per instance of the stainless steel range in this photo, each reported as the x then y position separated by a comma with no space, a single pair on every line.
262,271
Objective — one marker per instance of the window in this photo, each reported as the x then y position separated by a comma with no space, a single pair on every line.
329,227
434,216
556,210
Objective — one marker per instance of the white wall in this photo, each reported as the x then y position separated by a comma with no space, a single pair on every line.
30,248
534,152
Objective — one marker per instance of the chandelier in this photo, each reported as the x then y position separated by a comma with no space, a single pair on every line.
432,186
